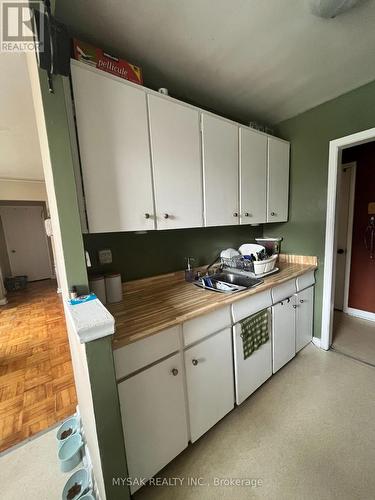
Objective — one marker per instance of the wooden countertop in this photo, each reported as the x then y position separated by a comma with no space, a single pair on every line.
153,304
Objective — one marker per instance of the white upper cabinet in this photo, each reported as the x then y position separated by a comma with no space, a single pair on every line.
151,162
278,180
176,157
220,170
114,149
253,177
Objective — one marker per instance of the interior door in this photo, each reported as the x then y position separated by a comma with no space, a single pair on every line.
115,152
342,235
253,177
209,376
283,333
176,157
26,241
153,417
220,167
304,317
278,180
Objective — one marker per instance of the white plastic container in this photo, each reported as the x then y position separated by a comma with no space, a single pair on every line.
113,287
97,286
265,266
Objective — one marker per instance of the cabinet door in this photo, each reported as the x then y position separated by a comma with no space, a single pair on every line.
252,372
209,374
220,168
304,317
283,333
278,180
153,417
176,156
253,177
115,152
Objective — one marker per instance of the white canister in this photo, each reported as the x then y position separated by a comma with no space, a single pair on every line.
97,286
113,287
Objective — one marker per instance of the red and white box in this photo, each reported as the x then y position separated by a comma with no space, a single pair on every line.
97,58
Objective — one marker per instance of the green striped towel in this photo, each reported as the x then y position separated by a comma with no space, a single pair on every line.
254,332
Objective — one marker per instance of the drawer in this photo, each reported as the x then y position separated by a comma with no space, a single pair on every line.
133,357
246,307
305,280
199,328
283,291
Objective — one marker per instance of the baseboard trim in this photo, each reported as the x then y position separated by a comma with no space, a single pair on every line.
317,342
358,313
3,302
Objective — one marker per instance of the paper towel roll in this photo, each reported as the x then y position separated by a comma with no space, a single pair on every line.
113,287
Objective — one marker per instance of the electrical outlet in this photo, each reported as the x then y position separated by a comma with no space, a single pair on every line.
105,256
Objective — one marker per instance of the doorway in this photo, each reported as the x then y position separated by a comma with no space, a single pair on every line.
349,279
26,250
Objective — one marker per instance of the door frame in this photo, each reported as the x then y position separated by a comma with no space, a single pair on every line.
349,236
43,206
336,147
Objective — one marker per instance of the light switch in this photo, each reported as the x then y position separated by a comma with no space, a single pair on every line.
105,256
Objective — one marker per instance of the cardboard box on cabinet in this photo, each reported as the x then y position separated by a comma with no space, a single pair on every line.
96,57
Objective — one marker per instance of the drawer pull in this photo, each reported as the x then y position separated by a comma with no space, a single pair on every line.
301,301
174,372
294,307
194,361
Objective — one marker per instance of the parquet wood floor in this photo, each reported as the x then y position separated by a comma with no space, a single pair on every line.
36,377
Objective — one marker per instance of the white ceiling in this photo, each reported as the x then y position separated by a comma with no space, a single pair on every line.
249,59
19,144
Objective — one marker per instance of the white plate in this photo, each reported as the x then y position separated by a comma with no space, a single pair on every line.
229,253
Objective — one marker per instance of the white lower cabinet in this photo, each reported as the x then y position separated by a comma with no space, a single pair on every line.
196,387
304,317
209,376
283,333
252,372
154,417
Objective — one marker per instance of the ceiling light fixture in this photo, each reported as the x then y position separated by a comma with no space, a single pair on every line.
331,8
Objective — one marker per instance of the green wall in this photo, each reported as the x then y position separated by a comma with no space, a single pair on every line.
99,352
310,134
138,255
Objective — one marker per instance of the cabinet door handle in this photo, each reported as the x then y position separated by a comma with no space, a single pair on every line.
166,216
194,361
287,301
247,214
281,303
174,372
147,216
301,301
273,214
235,214
294,307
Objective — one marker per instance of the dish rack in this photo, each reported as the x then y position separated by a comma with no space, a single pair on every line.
253,268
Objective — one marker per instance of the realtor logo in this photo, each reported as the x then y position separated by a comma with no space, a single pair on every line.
18,25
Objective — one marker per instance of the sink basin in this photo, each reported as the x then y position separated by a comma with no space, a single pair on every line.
235,279
227,282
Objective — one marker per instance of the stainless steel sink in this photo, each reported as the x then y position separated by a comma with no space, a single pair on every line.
236,279
227,282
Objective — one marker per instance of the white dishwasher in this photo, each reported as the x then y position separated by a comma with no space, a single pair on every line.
252,372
